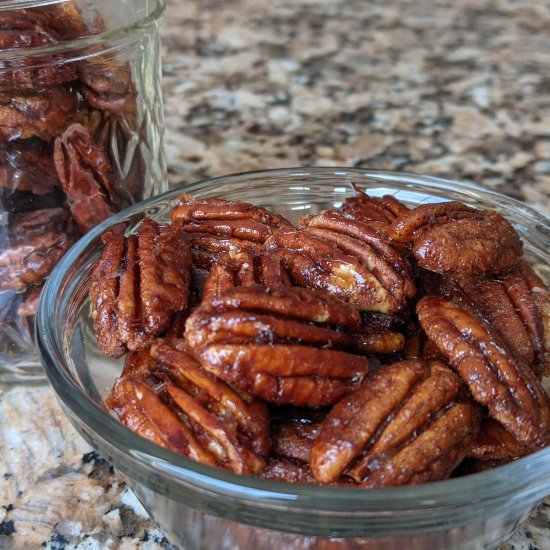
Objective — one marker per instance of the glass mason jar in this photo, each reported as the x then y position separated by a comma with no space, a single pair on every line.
81,130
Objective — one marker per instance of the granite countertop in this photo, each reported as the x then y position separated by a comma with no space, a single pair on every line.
450,88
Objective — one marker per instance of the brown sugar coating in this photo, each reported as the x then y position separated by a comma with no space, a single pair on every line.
138,285
42,114
453,239
191,412
408,425
507,387
346,252
216,226
332,353
280,344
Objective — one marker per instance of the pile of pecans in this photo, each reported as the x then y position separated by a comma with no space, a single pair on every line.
373,345
57,117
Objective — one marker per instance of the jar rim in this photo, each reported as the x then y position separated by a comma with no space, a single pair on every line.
82,47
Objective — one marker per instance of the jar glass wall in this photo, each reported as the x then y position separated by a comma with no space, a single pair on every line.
81,128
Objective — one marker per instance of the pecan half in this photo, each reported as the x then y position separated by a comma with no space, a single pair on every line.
191,412
276,343
494,442
343,266
216,226
514,309
378,212
242,269
294,431
409,424
345,252
508,387
42,113
138,285
27,166
454,239
107,85
31,246
28,28
85,173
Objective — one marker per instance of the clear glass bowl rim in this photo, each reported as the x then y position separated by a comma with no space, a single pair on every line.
523,475
83,47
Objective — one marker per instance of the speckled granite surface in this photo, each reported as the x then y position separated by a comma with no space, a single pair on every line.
458,89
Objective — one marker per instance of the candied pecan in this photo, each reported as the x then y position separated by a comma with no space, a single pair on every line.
242,412
409,424
191,412
494,442
31,246
352,269
41,113
85,172
342,252
276,343
378,212
215,226
27,166
139,283
293,432
107,85
514,310
454,239
507,386
31,28
242,269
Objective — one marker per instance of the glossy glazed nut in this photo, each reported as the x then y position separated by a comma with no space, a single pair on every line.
377,212
294,431
453,239
141,409
138,285
346,267
27,166
246,419
85,173
243,269
190,412
408,424
42,113
495,443
506,386
216,226
28,28
516,311
280,344
32,245
107,85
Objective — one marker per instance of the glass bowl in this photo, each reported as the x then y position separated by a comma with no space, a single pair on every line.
201,507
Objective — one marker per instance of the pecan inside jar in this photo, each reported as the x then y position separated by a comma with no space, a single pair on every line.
138,285
32,245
